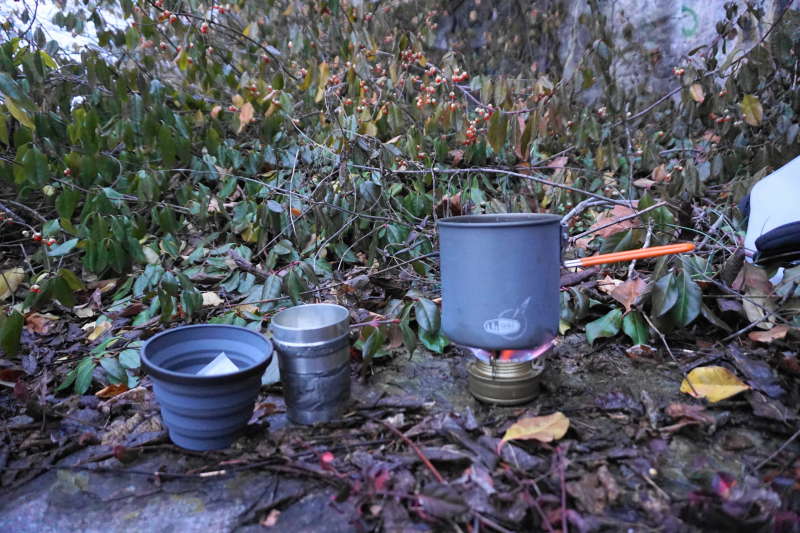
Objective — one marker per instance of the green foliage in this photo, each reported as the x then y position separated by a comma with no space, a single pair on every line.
303,138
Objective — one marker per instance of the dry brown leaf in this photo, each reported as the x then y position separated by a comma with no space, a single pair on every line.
714,383
692,412
697,93
776,333
628,292
211,299
660,174
644,183
245,116
542,428
759,301
608,284
39,323
457,156
213,206
619,211
10,280
110,391
558,162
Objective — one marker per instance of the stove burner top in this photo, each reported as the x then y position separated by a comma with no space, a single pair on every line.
511,356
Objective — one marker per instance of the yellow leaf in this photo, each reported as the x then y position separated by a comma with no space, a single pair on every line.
752,110
697,93
211,299
237,100
714,383
10,280
98,330
245,116
542,428
19,114
323,81
109,391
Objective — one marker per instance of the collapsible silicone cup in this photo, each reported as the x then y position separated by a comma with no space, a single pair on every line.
205,412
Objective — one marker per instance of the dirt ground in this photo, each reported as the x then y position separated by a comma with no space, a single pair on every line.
639,454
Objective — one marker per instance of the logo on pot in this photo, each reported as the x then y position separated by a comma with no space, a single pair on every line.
502,326
510,324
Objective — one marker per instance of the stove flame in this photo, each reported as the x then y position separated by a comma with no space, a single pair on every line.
512,356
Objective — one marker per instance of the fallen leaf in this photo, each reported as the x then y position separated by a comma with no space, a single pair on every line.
245,116
628,292
98,330
110,391
608,284
692,412
211,299
697,93
10,280
542,428
714,383
776,333
39,323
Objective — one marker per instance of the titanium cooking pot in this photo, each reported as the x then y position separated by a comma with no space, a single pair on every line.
501,274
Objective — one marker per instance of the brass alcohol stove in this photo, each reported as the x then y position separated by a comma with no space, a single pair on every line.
505,382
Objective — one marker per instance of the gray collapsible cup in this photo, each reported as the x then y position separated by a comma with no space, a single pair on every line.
205,412
313,348
500,279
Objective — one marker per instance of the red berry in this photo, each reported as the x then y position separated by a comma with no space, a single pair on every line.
204,28
37,236
232,108
67,171
35,289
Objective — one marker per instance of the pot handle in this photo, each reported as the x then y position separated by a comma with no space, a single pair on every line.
629,255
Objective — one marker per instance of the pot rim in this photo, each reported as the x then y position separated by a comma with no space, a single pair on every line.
159,372
498,220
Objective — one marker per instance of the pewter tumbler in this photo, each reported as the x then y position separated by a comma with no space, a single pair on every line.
313,348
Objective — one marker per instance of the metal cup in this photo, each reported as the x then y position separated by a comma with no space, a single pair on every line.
313,346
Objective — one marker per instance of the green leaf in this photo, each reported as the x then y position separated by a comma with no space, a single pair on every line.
687,306
129,358
113,369
606,326
83,374
372,344
72,281
498,125
635,327
10,332
20,114
664,295
69,379
409,337
66,203
434,341
62,249
427,314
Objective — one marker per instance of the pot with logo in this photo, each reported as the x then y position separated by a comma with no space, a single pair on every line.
500,277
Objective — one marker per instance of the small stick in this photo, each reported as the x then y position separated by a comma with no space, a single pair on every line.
414,447
618,220
779,450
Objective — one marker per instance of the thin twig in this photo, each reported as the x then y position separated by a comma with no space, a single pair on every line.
617,221
414,447
779,450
